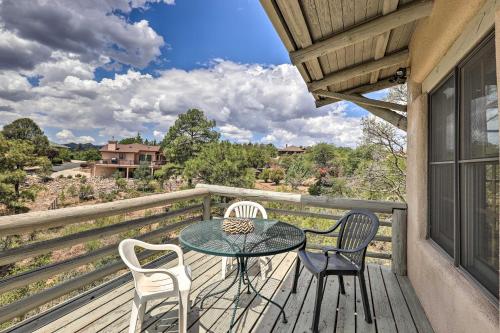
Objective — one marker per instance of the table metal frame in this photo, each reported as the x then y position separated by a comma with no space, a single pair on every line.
241,277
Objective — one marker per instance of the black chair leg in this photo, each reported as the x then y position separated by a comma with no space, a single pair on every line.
296,277
317,304
364,295
341,282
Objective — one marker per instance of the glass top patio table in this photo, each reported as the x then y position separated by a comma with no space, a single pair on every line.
268,237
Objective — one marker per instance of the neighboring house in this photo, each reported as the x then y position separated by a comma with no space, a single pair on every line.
291,150
126,158
452,126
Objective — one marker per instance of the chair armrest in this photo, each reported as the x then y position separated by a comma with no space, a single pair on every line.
165,247
149,271
327,249
322,232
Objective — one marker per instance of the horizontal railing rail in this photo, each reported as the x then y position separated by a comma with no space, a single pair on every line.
29,222
303,199
386,255
163,226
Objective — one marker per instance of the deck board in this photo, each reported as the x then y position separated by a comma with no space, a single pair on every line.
394,305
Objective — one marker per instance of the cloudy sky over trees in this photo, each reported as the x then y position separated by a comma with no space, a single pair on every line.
89,70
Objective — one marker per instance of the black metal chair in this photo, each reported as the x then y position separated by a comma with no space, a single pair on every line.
357,230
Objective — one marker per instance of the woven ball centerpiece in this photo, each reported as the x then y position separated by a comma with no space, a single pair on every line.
234,225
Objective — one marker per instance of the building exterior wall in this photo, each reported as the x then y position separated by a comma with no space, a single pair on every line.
452,301
109,155
102,171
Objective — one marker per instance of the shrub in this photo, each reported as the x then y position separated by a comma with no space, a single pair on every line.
70,177
117,175
298,171
121,184
72,191
107,196
86,192
57,161
265,174
315,189
78,175
276,175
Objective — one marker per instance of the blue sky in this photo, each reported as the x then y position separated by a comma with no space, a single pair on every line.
198,31
125,68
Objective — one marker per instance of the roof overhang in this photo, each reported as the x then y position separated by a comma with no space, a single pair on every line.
346,48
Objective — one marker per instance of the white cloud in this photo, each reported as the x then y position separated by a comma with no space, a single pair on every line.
67,136
234,133
158,134
249,102
30,31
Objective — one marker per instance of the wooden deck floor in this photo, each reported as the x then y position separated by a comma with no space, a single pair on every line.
394,305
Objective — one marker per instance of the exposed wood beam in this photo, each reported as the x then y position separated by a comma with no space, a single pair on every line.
398,58
383,40
279,24
361,100
363,89
390,116
359,33
296,23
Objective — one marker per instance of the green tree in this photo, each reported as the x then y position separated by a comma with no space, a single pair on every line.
185,139
136,139
143,177
299,170
259,155
64,154
322,154
221,163
15,156
27,129
87,155
166,172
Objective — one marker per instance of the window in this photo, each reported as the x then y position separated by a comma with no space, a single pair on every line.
121,156
145,158
463,166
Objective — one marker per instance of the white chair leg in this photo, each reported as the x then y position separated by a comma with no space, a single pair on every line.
223,268
184,308
137,313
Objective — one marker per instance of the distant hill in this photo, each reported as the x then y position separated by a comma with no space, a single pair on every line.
81,146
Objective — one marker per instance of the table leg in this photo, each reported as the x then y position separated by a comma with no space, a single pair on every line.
282,311
236,276
242,267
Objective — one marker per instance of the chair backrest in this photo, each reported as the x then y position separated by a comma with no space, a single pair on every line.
129,257
358,228
248,209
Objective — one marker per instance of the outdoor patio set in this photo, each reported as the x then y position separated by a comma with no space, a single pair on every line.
245,237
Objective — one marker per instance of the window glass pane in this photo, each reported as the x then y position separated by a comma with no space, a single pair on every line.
442,122
479,137
479,221
441,205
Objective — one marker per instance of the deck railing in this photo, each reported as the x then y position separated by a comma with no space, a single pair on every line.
199,203
130,162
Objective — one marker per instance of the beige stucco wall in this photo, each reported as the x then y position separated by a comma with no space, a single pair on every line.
451,300
110,155
103,171
434,35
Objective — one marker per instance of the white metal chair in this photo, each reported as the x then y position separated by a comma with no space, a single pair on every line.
245,209
153,283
